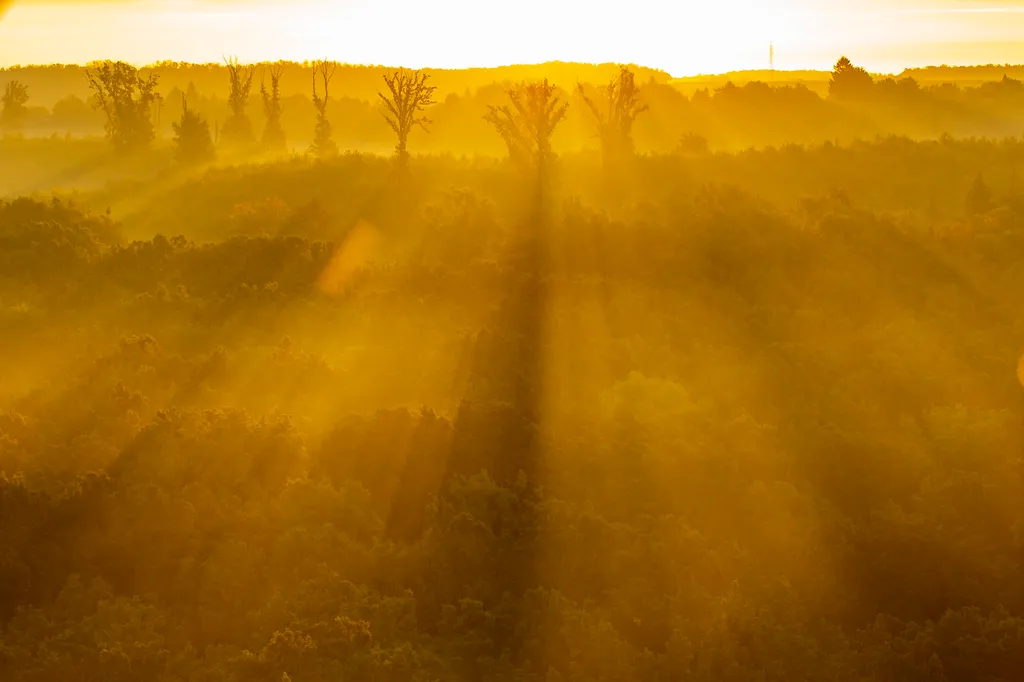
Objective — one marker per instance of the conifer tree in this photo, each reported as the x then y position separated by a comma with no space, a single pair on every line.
192,143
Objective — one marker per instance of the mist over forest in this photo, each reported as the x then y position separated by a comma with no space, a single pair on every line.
556,373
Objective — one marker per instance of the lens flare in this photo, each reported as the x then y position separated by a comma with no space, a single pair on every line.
356,251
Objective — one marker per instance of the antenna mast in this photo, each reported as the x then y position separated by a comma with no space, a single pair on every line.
771,55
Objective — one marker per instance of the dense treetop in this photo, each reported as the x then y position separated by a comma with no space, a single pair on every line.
681,414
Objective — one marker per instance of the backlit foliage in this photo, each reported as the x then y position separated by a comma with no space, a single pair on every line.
13,103
614,112
849,82
753,417
192,136
528,124
126,98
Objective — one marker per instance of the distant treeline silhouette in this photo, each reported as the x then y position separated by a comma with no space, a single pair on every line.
853,105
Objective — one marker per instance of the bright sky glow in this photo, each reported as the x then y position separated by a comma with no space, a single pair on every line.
682,37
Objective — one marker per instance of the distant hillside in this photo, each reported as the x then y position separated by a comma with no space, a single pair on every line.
816,81
746,76
49,84
964,75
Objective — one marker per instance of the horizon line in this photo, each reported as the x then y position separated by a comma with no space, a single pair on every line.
671,76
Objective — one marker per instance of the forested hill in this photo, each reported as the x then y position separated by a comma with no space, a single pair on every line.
720,113
647,411
702,439
816,81
964,75
51,83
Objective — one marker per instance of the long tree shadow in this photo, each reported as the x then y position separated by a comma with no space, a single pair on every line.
495,441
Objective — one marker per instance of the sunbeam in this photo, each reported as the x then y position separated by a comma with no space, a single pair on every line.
635,344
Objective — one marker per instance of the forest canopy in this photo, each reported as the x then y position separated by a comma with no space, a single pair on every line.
550,373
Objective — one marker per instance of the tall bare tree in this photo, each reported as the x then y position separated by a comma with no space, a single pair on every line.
614,112
238,127
273,134
528,124
410,95
126,97
323,139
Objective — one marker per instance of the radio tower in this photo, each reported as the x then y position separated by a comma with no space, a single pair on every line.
771,55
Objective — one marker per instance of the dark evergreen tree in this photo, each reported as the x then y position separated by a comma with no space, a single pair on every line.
192,143
979,197
849,82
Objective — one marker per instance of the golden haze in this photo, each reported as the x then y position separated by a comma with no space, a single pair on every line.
683,37
557,372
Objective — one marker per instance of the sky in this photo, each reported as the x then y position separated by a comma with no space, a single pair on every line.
679,36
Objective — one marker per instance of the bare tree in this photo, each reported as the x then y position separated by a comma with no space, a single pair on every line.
238,127
410,95
273,134
323,140
528,124
614,114
126,98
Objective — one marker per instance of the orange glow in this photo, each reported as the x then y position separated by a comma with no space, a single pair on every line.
682,37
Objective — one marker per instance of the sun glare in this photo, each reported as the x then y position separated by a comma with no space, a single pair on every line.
574,369
682,37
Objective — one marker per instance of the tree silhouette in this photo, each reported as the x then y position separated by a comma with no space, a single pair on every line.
614,114
849,81
238,128
126,98
410,94
692,144
979,197
14,100
528,124
273,134
192,143
323,140
158,105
